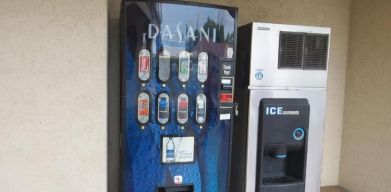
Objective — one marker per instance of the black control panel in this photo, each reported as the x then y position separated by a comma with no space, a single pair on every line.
282,145
227,79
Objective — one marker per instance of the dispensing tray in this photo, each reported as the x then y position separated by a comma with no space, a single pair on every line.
178,188
279,180
281,184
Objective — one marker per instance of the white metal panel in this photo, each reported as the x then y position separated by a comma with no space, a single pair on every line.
317,101
264,58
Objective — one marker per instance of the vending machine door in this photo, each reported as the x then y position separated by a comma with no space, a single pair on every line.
178,67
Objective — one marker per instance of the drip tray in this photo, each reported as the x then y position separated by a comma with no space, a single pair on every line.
279,180
180,188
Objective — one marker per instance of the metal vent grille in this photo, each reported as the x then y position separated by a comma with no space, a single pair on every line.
316,48
291,50
306,51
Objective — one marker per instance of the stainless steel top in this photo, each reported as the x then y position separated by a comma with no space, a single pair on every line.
264,70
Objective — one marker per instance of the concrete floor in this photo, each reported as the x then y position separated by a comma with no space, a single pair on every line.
333,189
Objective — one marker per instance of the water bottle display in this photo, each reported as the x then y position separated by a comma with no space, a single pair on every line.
202,73
183,108
164,66
144,65
143,108
163,108
184,66
201,109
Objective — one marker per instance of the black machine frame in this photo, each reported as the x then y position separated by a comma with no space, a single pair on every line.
115,82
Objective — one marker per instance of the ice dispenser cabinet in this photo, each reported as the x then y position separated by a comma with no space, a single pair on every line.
282,145
281,88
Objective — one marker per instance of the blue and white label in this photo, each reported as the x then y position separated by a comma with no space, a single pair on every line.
177,149
259,75
274,110
280,111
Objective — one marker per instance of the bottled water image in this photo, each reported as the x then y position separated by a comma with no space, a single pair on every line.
170,149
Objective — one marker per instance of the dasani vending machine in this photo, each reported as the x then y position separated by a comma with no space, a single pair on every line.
178,66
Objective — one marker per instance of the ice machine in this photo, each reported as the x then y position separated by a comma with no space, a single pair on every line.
281,90
178,66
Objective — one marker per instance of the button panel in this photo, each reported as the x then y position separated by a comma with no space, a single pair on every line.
227,79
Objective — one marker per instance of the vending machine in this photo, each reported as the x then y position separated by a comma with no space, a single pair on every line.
281,88
178,66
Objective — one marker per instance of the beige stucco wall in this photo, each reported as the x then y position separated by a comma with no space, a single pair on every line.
53,60
53,72
366,148
330,13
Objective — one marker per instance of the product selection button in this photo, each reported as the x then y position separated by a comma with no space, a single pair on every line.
226,84
226,97
226,81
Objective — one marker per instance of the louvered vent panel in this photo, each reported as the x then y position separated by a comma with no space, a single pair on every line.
316,49
291,50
